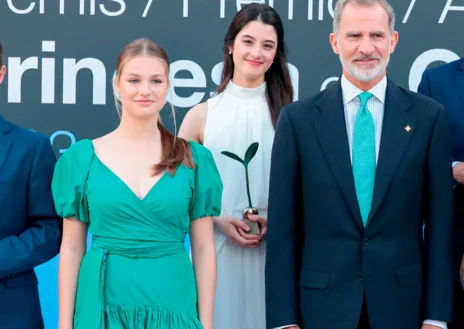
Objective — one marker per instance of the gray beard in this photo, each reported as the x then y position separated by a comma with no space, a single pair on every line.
365,75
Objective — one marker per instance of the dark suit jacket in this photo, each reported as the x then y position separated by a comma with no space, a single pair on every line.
320,260
30,230
445,84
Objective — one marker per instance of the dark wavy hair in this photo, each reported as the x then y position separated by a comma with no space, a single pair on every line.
279,90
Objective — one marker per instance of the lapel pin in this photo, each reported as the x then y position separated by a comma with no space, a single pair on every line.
408,128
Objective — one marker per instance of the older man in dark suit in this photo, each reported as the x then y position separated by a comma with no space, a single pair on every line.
356,171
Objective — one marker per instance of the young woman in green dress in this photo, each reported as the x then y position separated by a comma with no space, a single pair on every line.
138,190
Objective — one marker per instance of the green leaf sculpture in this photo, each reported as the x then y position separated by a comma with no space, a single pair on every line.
249,155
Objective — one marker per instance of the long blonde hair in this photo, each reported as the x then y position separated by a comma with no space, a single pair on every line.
175,150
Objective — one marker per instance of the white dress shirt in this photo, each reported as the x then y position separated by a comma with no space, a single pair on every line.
375,105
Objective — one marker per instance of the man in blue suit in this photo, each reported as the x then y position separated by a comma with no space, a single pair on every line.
30,230
445,84
356,171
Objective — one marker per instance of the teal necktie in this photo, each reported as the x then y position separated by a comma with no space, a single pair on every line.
364,157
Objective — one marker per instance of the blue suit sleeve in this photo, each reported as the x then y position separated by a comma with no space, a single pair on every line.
41,241
438,214
284,227
424,87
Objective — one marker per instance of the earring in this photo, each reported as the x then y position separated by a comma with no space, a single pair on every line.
230,52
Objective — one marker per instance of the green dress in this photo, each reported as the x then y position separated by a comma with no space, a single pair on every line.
137,273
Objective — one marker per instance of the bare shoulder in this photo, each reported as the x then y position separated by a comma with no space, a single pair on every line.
198,113
193,125
102,142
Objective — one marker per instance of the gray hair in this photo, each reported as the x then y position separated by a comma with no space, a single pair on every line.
338,11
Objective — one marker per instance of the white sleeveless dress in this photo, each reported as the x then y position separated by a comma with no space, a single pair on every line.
236,118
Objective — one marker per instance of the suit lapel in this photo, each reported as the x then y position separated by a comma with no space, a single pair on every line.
394,141
459,79
330,129
5,142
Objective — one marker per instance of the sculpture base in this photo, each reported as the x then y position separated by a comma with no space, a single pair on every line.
255,228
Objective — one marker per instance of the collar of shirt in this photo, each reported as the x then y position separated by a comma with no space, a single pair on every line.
350,91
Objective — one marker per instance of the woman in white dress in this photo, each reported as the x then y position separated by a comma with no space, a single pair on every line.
255,85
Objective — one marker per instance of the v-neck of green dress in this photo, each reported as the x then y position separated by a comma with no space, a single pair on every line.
111,171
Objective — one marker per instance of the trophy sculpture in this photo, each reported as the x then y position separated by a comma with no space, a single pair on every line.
249,155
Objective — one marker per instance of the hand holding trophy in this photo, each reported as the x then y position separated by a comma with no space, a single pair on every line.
249,155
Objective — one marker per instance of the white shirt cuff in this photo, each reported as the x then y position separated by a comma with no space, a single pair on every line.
292,325
455,163
439,324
